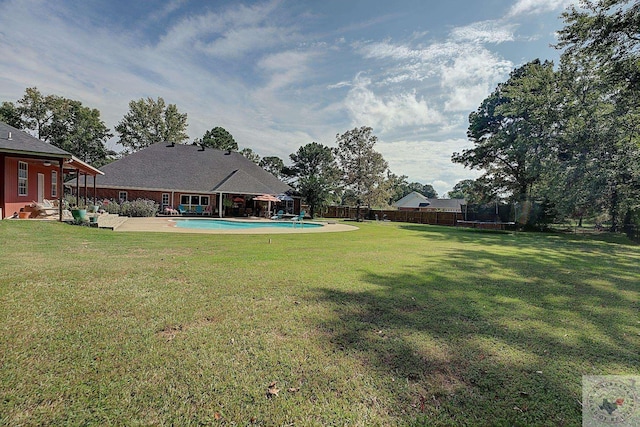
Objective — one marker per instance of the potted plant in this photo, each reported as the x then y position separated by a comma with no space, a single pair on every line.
79,214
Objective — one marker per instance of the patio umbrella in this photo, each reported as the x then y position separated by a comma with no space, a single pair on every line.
288,202
285,198
267,198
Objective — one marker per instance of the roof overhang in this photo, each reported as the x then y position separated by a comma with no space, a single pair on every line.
168,190
75,163
35,154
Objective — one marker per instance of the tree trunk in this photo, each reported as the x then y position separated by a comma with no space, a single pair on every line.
613,209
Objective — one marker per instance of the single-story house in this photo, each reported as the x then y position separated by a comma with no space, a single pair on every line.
32,171
188,176
415,201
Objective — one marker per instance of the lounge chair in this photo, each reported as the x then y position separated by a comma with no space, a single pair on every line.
298,219
278,215
44,209
199,210
181,210
168,210
207,210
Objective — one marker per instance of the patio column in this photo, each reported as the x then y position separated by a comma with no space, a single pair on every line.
77,188
86,193
60,187
220,207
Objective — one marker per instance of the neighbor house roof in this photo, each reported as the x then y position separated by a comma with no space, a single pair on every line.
415,200
447,204
188,168
411,200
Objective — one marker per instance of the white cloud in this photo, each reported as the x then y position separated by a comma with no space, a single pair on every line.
260,74
389,112
339,85
235,43
232,33
536,7
387,50
469,78
169,8
427,161
464,70
484,32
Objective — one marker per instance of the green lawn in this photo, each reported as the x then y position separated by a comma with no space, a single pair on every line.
393,324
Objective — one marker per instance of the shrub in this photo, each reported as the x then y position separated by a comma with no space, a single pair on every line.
69,201
139,208
110,206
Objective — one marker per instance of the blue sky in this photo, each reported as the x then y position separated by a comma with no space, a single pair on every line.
281,74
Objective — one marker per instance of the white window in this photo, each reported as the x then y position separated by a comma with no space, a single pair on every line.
165,199
54,183
23,175
122,196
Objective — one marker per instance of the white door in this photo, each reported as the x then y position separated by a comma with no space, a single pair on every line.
40,187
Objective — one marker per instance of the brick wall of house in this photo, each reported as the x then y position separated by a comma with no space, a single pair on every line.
156,196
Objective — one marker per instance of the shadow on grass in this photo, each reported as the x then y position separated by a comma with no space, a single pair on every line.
478,235
498,334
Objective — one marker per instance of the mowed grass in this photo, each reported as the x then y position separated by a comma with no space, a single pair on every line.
393,324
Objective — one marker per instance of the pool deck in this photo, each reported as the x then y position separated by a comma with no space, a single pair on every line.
167,225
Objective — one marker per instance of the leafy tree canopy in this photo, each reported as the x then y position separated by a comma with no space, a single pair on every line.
362,166
315,173
10,114
151,121
428,191
272,164
62,122
608,31
219,138
511,128
251,155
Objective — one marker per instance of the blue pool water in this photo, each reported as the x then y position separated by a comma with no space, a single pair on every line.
221,224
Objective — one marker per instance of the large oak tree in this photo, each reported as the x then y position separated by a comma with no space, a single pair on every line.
512,129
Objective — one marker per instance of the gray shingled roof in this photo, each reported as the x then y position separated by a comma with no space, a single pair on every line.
162,167
446,203
22,142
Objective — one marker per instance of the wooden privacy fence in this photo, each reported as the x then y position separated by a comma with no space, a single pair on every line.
417,217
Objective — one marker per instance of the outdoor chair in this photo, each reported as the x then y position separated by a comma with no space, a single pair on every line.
199,210
46,208
168,210
181,210
278,215
298,218
207,210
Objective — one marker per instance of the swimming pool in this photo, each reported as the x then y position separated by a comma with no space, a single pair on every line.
222,224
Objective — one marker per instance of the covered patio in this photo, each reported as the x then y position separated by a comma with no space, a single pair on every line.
33,173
